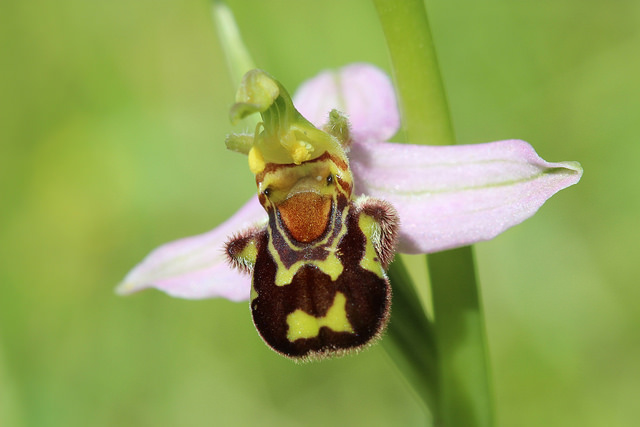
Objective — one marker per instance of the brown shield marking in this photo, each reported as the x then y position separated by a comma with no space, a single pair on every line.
305,215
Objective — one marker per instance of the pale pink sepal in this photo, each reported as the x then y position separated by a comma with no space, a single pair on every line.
450,196
361,91
196,267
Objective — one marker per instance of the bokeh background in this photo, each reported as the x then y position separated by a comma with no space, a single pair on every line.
112,121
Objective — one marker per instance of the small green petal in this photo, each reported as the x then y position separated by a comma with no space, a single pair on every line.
256,94
338,127
240,143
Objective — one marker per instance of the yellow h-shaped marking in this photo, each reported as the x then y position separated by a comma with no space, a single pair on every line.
304,325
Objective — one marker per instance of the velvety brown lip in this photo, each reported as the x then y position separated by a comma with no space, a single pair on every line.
305,215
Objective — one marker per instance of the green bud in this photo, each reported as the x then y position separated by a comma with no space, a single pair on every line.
338,127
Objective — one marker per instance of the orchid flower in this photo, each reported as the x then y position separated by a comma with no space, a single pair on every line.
446,196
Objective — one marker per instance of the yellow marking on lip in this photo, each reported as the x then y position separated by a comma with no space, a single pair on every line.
371,230
248,255
304,325
330,266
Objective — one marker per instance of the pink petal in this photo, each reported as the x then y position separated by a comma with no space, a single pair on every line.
196,267
450,196
361,91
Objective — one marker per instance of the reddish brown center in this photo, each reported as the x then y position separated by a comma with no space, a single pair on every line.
305,215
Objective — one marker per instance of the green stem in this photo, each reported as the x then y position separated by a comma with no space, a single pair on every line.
236,53
410,336
423,103
463,396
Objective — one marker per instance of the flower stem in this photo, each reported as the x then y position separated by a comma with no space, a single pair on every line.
423,103
410,336
463,395
236,53
238,58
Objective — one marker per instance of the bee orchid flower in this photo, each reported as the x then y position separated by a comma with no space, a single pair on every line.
445,196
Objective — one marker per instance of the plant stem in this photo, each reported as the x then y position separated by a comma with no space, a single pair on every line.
423,103
463,396
410,340
236,53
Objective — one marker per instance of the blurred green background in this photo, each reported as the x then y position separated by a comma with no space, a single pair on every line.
112,121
